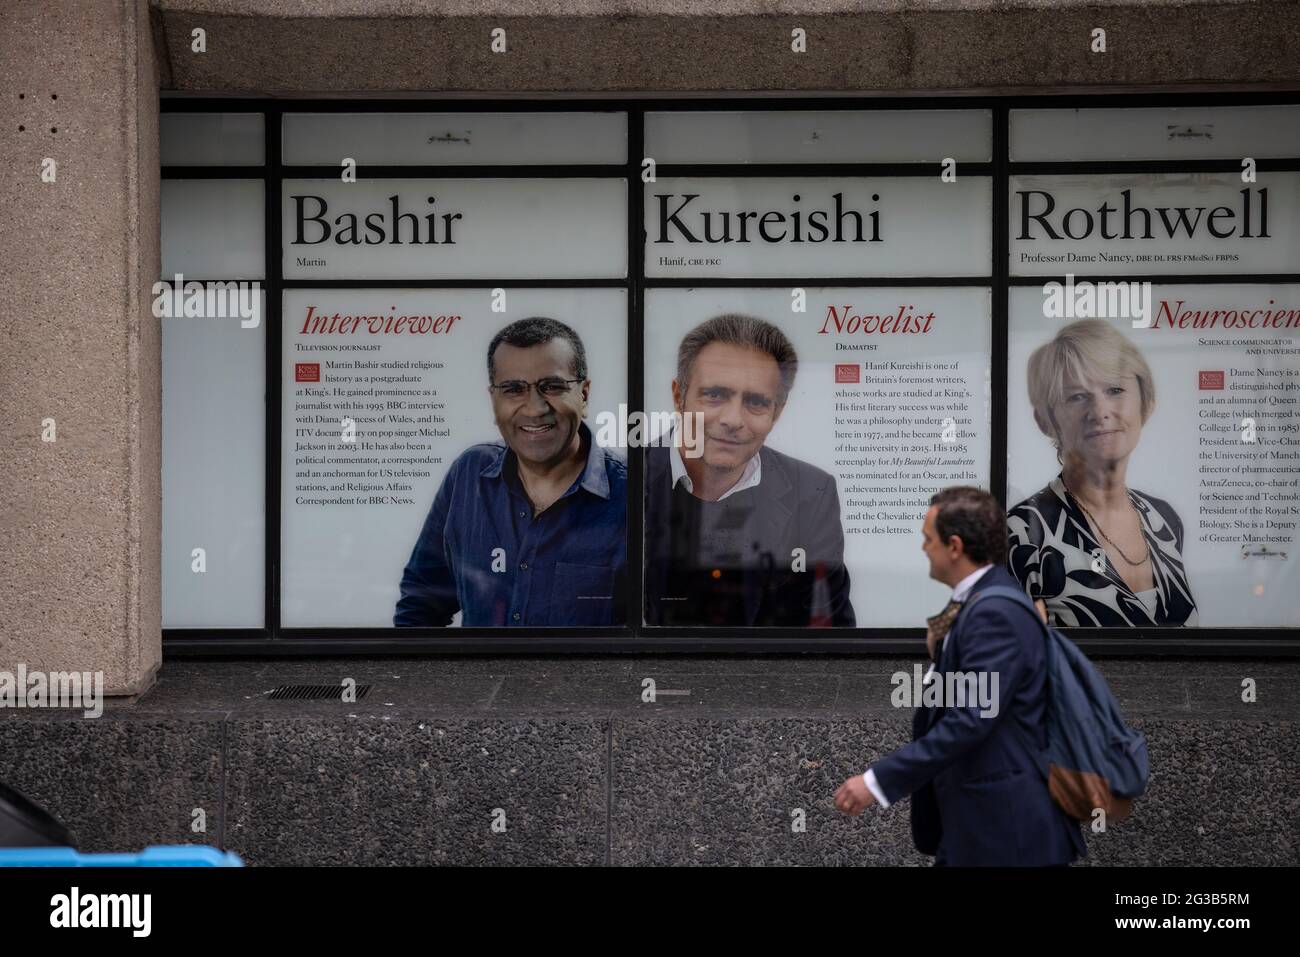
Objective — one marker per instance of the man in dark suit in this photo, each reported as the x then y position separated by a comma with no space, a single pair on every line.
978,797
737,533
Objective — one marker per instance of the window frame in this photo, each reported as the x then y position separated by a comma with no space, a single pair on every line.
634,636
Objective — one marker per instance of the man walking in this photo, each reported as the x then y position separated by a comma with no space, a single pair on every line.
978,797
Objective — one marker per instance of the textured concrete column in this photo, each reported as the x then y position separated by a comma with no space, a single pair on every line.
79,529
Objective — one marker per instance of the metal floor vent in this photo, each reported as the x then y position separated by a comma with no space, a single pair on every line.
314,692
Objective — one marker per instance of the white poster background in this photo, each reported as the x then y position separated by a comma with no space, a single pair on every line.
890,585
342,564
214,471
454,139
820,136
212,229
1229,590
1196,132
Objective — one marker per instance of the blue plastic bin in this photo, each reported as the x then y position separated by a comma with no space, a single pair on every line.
176,855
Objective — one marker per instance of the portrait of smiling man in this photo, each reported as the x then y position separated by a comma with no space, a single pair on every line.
737,533
530,530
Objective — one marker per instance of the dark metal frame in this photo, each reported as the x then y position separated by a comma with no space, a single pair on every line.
635,637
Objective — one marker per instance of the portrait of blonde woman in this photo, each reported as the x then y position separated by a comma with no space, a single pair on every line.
1088,548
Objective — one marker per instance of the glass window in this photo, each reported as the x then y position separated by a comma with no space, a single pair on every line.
1153,466
213,229
212,139
814,309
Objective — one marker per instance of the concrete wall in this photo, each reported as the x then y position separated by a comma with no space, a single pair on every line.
732,45
586,772
79,530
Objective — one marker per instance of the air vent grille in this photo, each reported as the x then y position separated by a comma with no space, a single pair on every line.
314,692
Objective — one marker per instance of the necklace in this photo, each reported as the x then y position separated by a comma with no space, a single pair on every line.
1096,523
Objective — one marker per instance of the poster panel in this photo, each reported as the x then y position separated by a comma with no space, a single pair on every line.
773,227
1128,224
568,228
1175,499
807,511
385,395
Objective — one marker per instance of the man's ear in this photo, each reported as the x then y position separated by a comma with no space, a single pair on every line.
776,414
586,391
679,397
961,546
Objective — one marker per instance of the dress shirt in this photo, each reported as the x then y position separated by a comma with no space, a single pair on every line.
564,566
749,478
958,594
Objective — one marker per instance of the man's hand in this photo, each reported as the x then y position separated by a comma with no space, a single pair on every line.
853,797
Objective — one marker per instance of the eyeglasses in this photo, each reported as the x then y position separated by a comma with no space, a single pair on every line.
518,388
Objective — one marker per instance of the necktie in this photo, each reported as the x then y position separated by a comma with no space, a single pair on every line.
938,626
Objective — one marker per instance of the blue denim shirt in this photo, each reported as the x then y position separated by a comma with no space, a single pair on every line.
566,567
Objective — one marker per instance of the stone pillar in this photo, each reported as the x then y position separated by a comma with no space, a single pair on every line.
79,347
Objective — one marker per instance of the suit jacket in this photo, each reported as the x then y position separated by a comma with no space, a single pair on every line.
978,797
795,505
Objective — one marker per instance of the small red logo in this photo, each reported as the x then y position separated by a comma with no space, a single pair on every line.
306,372
848,373
1211,380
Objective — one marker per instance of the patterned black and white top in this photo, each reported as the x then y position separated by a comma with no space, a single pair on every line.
1054,557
